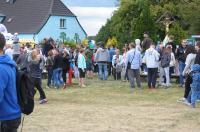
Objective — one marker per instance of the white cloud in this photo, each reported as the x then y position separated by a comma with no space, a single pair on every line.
92,18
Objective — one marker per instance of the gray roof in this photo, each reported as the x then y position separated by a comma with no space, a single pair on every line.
29,16
2,15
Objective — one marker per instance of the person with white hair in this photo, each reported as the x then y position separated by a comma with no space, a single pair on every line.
16,47
9,50
138,46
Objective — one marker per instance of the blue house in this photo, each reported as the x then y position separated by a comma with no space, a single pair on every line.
39,19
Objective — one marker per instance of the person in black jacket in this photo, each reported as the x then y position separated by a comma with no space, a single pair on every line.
47,47
57,70
146,42
180,56
49,65
65,67
35,71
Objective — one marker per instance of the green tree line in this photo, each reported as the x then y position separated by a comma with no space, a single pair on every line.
134,17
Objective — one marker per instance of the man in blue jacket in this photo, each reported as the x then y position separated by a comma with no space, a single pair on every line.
10,113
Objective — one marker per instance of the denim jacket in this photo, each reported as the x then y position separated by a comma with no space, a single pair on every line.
135,58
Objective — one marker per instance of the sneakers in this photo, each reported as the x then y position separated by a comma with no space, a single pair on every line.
197,100
186,103
47,87
43,101
181,100
181,85
65,86
83,86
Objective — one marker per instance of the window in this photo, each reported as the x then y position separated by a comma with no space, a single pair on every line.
2,17
62,23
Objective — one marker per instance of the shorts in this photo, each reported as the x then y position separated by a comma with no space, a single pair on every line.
89,66
81,73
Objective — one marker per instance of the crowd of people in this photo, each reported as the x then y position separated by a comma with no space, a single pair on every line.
139,57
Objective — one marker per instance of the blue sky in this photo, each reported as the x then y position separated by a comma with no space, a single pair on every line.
92,14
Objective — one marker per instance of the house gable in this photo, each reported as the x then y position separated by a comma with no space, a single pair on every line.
29,16
52,28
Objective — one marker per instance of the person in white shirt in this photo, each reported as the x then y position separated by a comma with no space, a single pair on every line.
117,63
151,58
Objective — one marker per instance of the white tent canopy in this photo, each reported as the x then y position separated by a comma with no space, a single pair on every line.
3,29
8,36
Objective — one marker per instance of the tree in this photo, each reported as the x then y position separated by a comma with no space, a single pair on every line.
76,37
144,22
133,17
63,36
112,42
178,33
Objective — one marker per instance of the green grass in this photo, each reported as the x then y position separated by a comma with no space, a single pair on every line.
116,92
109,106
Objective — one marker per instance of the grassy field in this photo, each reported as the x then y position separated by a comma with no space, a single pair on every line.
111,107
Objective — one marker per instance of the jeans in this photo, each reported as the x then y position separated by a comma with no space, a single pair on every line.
132,74
193,96
103,71
126,75
181,68
50,74
152,77
164,71
110,68
64,76
57,77
116,75
10,126
37,82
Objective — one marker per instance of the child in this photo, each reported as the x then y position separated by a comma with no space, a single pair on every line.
195,86
35,71
81,67
49,64
65,67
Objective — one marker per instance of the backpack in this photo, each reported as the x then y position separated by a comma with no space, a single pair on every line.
25,91
119,68
165,60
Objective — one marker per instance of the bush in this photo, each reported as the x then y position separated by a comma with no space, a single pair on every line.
70,43
178,33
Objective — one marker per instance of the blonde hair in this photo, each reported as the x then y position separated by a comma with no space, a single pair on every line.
34,54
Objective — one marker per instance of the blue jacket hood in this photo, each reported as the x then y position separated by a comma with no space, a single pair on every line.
9,107
5,59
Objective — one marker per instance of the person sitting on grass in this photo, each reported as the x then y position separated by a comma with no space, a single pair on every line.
81,67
